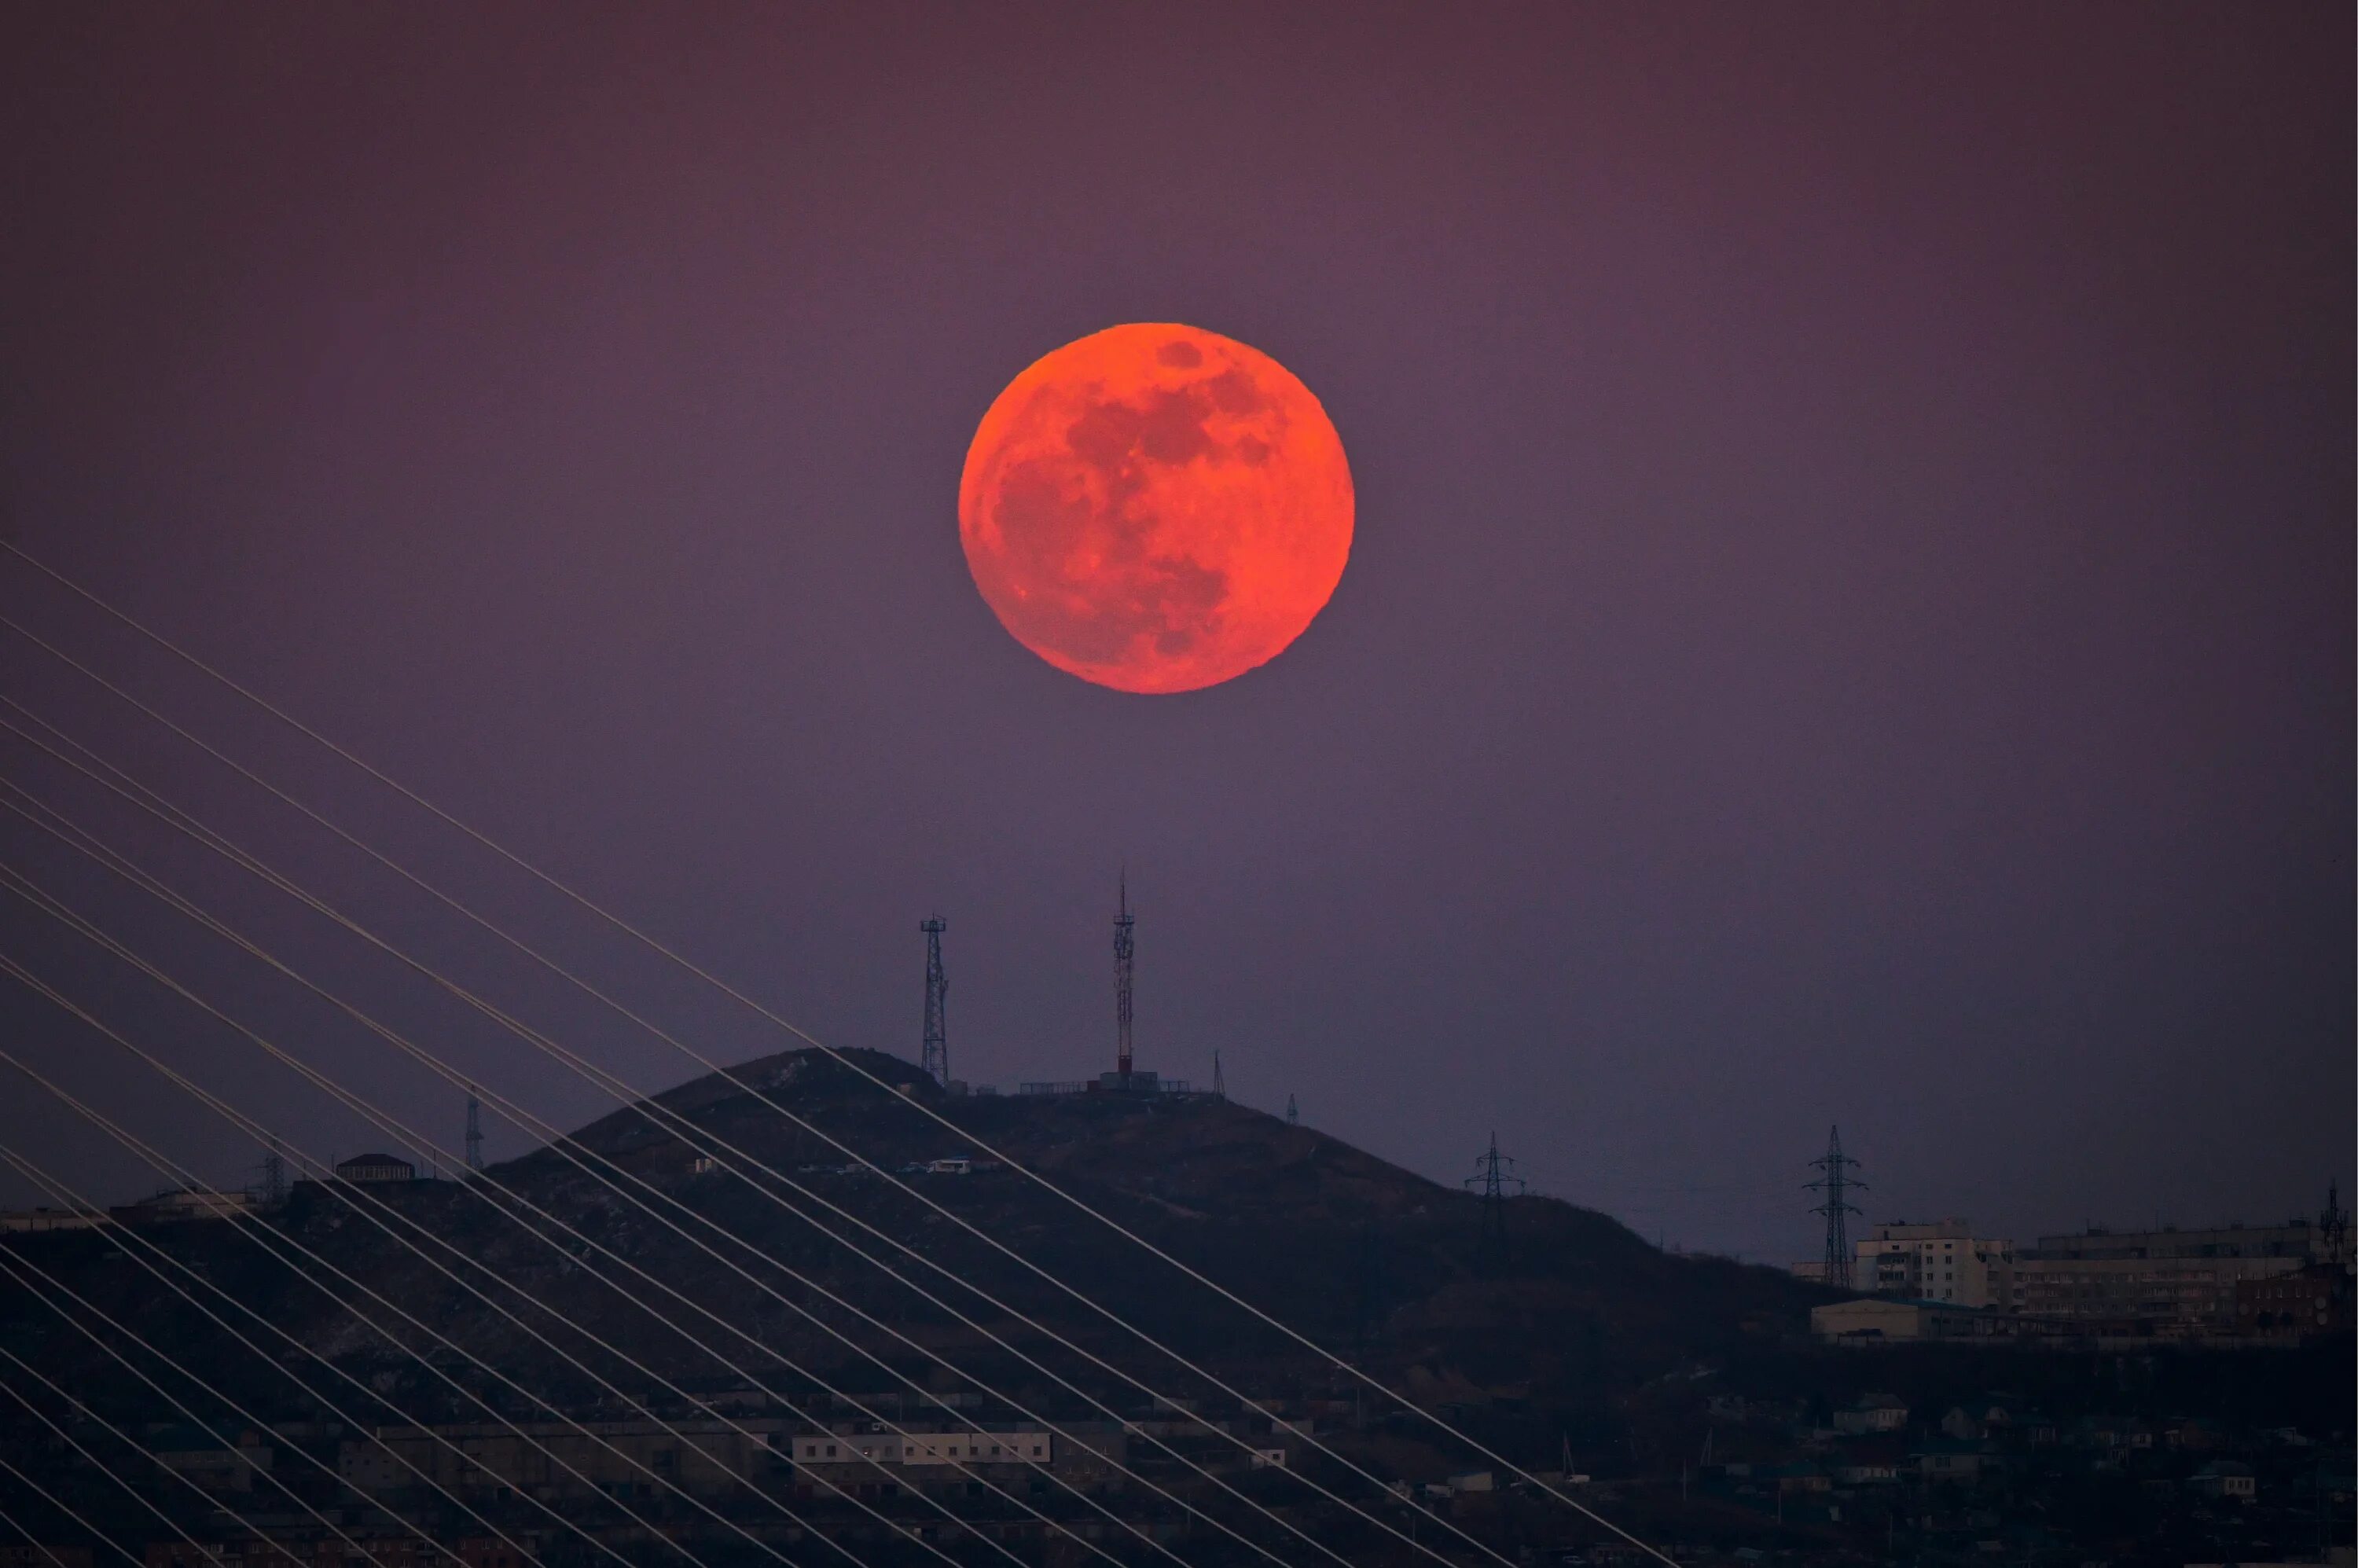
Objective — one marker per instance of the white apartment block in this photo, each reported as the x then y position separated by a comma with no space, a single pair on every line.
1936,1261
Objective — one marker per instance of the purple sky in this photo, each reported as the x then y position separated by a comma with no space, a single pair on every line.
1851,616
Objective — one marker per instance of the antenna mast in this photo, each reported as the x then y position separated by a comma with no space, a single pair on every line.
1835,1184
474,1131
937,994
1122,923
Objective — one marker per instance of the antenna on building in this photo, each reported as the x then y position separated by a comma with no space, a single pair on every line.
1293,1112
937,996
1837,1181
1219,1082
274,1175
2333,1227
1122,943
1494,1174
474,1131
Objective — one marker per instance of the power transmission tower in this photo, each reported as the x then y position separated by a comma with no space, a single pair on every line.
1494,1174
2333,1227
1122,923
1293,1112
938,997
1836,1185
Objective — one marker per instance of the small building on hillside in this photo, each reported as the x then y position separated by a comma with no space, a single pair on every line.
2226,1480
1946,1459
1873,1413
183,1203
1872,1320
205,1462
375,1168
19,1220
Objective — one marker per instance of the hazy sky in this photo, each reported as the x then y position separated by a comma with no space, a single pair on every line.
1851,615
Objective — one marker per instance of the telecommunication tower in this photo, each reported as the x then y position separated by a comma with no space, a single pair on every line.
1835,1184
937,996
1293,1112
1494,1174
274,1176
2333,1227
1219,1083
1122,942
474,1131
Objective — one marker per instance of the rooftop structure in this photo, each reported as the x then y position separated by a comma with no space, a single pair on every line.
375,1168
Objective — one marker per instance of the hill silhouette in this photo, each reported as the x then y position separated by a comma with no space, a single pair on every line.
1382,1266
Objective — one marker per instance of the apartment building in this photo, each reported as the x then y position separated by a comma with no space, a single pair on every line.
1935,1260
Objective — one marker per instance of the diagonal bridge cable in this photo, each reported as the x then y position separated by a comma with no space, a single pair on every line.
17,884
632,1099
656,946
141,1246
563,1148
15,1269
95,1463
648,1107
17,1526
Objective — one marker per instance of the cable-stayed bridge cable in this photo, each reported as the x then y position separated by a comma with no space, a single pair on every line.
654,944
561,1145
10,967
633,1099
17,1267
645,1106
141,1246
170,1171
97,1465
17,1526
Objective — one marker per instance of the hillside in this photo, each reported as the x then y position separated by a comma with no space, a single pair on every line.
1380,1264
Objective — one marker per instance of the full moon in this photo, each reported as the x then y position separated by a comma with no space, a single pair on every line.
1156,508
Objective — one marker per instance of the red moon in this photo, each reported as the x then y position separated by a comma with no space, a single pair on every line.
1156,508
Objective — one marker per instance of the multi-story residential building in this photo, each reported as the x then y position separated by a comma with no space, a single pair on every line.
2296,1240
2189,1291
2189,1278
1936,1261
2311,1301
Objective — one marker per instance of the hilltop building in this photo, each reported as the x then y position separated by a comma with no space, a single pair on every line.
375,1168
